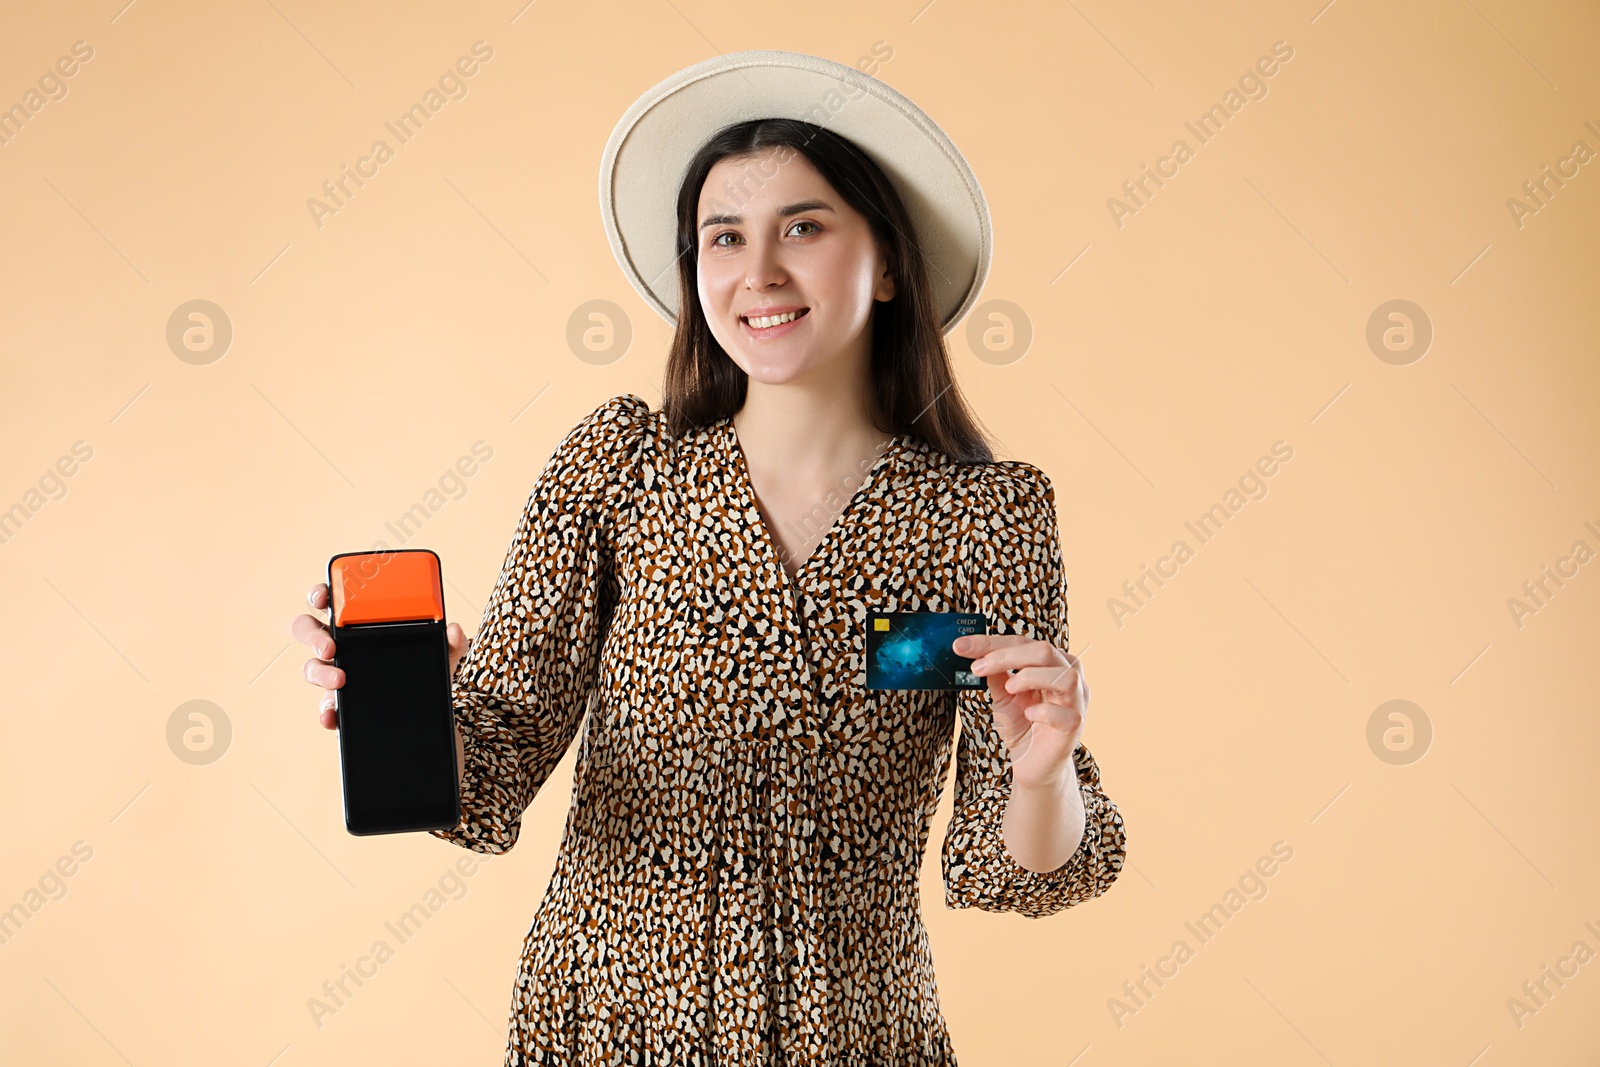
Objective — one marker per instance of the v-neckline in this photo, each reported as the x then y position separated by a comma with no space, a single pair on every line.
745,486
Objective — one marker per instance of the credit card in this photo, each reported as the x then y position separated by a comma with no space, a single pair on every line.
911,650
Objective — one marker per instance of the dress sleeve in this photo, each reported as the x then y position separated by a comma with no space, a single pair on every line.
521,690
1015,575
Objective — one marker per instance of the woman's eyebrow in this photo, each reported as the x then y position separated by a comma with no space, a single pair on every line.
783,213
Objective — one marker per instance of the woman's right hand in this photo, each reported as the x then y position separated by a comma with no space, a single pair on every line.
313,631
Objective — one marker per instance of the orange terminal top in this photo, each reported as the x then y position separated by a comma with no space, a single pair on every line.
399,586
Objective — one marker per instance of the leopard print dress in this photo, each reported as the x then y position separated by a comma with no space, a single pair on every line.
737,882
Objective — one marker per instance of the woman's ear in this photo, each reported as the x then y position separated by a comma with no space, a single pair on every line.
885,289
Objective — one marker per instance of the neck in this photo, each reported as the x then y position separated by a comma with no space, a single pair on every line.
807,430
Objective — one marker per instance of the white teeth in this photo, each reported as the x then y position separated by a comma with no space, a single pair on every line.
774,320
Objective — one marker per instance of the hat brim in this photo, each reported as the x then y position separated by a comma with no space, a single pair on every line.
649,151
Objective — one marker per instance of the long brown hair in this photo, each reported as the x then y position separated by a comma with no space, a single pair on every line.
910,366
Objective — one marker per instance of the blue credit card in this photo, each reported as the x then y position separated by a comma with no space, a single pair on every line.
912,650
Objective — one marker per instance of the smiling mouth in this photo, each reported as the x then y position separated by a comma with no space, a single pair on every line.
774,320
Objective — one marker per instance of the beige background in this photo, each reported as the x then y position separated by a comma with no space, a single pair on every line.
1229,712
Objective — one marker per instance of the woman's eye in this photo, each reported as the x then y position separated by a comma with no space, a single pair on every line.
716,242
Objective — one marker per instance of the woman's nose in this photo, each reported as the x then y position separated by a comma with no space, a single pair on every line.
763,266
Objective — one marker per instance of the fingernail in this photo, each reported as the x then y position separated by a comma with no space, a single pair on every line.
963,644
979,665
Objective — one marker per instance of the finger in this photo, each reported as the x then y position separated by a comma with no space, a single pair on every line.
1000,700
1055,715
328,713
1021,652
318,596
1061,679
1010,723
978,644
323,674
1039,653
312,631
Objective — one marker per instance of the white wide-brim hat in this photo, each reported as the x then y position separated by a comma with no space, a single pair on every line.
650,148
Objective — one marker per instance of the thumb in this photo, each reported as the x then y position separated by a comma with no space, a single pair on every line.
458,641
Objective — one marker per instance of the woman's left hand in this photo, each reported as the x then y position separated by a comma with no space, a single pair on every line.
1039,709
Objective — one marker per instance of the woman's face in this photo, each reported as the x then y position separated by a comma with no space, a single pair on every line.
775,236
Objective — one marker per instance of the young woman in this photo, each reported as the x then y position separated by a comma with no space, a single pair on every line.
738,875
